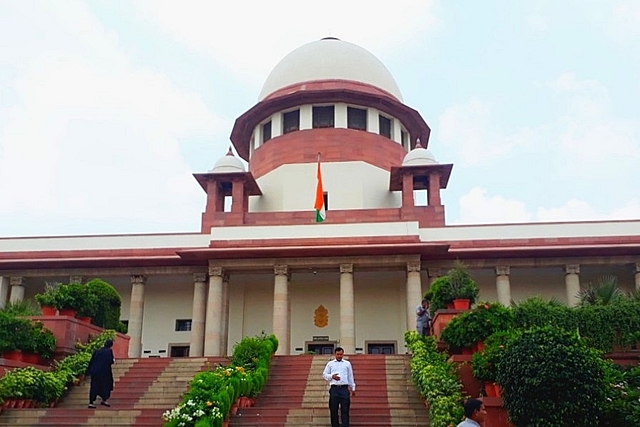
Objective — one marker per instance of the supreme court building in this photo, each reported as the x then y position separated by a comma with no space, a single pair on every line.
260,261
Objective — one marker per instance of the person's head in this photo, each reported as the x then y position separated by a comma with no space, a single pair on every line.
339,352
474,409
425,303
108,343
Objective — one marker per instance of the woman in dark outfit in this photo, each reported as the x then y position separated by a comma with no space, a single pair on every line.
101,376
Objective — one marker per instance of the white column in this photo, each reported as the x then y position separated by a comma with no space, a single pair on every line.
347,310
572,284
17,290
276,124
373,122
224,344
306,117
341,115
414,293
503,285
213,326
281,307
637,276
198,311
4,291
136,315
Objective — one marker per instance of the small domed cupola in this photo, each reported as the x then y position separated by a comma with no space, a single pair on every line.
419,156
228,178
228,163
420,171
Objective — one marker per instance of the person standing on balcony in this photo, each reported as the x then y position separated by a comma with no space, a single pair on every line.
339,374
423,318
101,375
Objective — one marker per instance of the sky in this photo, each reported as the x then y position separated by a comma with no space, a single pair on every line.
107,108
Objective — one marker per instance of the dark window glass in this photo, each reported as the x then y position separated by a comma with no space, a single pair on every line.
404,137
385,126
356,118
179,351
266,132
183,325
323,117
291,121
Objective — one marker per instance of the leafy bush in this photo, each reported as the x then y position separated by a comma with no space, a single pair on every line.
31,384
483,364
622,403
41,341
535,311
22,334
549,377
22,308
106,311
46,387
477,324
212,392
436,380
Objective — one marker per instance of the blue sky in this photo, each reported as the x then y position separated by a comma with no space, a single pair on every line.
108,107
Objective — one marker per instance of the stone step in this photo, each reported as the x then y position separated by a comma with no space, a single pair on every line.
295,395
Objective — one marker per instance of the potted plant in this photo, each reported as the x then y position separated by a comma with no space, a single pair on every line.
71,298
484,363
41,342
457,284
48,299
474,326
464,289
8,344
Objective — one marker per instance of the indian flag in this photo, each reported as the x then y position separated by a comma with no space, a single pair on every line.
319,206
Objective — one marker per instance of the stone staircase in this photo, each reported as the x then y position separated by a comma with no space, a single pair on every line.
295,395
144,389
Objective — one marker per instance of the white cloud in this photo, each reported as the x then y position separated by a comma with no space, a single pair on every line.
538,23
624,23
578,210
90,136
470,129
590,134
251,37
476,207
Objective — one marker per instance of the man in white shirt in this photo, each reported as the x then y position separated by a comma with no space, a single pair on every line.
474,412
339,374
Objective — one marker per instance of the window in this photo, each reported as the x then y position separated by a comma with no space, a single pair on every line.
356,118
381,348
291,121
183,325
266,131
404,139
179,351
323,117
385,126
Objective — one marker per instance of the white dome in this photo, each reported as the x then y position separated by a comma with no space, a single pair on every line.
330,59
419,156
228,163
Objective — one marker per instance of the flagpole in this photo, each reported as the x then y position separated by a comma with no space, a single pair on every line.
319,204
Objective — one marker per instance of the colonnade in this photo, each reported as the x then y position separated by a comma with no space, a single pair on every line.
210,307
